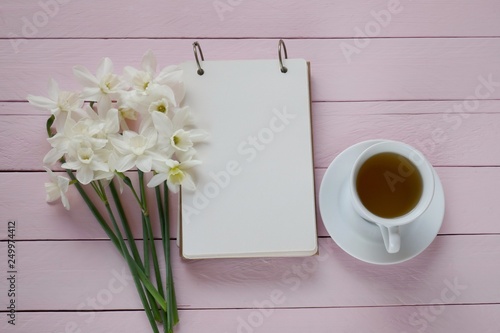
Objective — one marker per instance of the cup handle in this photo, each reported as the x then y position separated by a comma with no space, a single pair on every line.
392,239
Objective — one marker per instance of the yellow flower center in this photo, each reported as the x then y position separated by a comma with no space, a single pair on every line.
161,108
176,175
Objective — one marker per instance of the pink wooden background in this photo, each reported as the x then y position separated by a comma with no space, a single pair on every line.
414,79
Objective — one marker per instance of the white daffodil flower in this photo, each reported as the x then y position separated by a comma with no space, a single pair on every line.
126,109
135,149
60,103
70,136
60,142
57,188
86,160
145,79
174,133
141,79
159,98
104,86
161,105
175,173
105,121
171,76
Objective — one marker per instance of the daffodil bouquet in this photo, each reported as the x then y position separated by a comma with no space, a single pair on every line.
115,126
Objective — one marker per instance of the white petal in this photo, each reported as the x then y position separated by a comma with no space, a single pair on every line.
53,90
125,163
171,163
85,77
172,76
65,201
112,121
100,166
50,173
162,124
63,183
92,93
172,187
85,175
188,183
120,145
181,118
146,122
157,179
42,102
189,164
104,106
72,165
162,91
106,67
144,163
52,192
149,62
129,72
90,112
106,175
52,156
104,99
185,156
198,135
152,137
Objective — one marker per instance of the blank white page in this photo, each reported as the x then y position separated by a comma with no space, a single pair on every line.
255,188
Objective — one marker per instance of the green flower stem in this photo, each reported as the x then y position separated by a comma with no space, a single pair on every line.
146,237
171,310
128,182
145,281
132,267
126,225
150,236
173,313
95,212
49,124
168,323
100,219
145,233
131,241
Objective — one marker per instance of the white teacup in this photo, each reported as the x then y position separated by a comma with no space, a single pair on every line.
389,227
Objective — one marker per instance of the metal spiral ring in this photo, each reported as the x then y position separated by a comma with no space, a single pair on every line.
281,46
196,49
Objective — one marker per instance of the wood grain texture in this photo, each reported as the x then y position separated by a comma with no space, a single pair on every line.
386,69
337,108
416,78
94,276
53,222
442,136
409,319
244,19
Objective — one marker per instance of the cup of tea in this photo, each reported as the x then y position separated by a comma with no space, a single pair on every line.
392,184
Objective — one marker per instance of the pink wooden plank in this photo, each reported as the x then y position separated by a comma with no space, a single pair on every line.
445,319
338,108
54,222
446,139
323,18
90,274
480,189
387,69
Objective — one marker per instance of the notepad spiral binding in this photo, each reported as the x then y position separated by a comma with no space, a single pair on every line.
201,71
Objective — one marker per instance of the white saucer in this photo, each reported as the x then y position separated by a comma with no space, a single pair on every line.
362,239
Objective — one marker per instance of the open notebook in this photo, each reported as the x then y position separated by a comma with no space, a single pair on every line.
255,188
